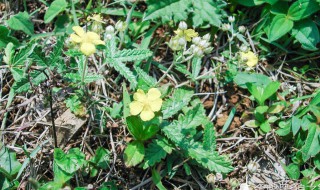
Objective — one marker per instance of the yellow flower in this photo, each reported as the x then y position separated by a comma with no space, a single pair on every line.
187,34
96,18
146,104
249,58
87,40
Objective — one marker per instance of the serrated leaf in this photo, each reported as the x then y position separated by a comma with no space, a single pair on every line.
124,71
134,153
209,137
24,84
102,158
132,55
307,33
210,160
205,11
5,38
150,81
196,66
21,57
167,10
70,162
156,151
55,8
280,25
21,21
9,165
92,78
179,99
302,9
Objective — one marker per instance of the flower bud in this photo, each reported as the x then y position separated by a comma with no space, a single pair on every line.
231,19
225,27
242,29
196,40
109,36
253,166
233,183
121,26
206,37
183,25
244,186
197,51
211,178
174,44
182,41
110,29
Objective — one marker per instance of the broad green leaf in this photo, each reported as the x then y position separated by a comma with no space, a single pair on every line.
316,161
134,153
9,166
5,38
55,8
281,7
206,11
24,83
258,79
307,33
259,113
252,123
132,55
22,56
51,186
293,171
302,9
167,10
70,162
270,89
311,146
156,178
257,92
179,99
249,3
156,151
209,136
21,21
141,130
265,127
102,158
280,25
296,124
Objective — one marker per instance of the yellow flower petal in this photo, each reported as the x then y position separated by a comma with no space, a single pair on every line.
153,94
98,42
155,105
135,107
78,30
179,32
88,48
140,96
250,58
93,36
190,33
146,115
75,38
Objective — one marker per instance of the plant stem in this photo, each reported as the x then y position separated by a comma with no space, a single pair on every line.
128,20
168,70
74,15
84,72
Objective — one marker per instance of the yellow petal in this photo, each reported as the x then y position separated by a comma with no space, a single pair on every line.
250,58
93,36
179,32
135,107
88,48
190,33
155,105
153,94
78,30
75,38
98,42
140,96
146,115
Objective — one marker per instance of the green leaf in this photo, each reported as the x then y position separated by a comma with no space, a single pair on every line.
70,162
229,120
55,8
51,186
249,3
9,166
206,11
209,136
258,79
265,127
257,92
134,153
156,178
316,161
102,158
302,9
92,78
132,55
179,99
210,160
270,89
280,25
24,84
5,38
150,81
124,71
156,151
296,124
22,56
126,101
167,10
307,33
21,21
141,130
293,171
196,66
311,146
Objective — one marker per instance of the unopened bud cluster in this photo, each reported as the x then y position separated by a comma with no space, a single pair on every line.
199,46
121,26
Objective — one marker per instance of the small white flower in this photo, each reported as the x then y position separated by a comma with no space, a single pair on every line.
182,41
196,40
242,29
183,25
225,27
231,19
121,26
207,37
109,29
